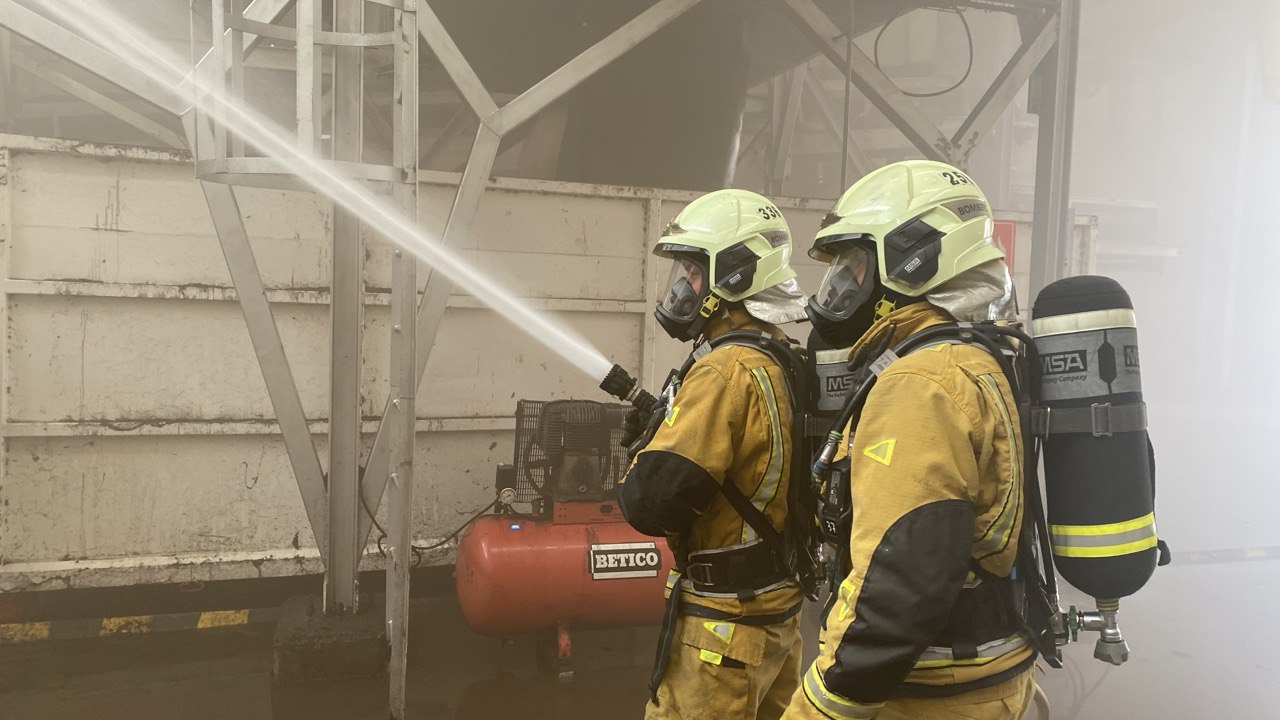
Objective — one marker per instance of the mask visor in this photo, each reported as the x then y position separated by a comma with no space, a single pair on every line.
685,288
847,284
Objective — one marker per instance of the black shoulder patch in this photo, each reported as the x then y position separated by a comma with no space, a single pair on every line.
664,493
908,591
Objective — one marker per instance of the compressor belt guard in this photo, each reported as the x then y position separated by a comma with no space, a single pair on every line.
1098,461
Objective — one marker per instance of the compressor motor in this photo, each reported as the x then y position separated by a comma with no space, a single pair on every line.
557,553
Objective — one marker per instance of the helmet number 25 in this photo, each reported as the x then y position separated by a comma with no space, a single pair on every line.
769,212
957,178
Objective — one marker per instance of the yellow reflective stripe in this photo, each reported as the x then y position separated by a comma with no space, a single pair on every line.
768,487
1106,550
971,662
996,536
23,632
1134,524
710,657
222,618
1107,540
845,593
831,705
130,625
936,657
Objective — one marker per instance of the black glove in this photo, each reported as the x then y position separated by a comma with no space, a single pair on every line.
632,427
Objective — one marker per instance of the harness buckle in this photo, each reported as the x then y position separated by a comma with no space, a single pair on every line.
1101,419
699,573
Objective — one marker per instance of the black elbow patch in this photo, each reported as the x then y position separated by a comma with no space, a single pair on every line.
665,492
907,594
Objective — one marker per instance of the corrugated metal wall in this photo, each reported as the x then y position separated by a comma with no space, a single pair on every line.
138,440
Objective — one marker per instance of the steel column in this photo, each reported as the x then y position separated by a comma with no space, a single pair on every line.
404,296
8,97
341,587
1005,88
431,310
869,80
307,103
1051,229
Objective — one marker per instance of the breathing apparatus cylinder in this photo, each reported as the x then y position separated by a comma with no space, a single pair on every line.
1097,458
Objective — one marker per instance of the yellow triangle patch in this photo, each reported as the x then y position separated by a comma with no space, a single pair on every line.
881,452
671,415
722,630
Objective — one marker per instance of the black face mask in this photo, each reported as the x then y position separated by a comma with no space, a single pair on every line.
843,333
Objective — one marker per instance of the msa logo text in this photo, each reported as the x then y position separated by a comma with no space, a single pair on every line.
1064,362
1131,356
839,383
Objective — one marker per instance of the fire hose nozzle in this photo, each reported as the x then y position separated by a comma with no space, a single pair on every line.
621,385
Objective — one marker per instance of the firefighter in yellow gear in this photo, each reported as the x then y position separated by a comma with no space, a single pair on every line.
713,477
922,625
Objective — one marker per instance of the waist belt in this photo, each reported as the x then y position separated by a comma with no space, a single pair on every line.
742,571
985,611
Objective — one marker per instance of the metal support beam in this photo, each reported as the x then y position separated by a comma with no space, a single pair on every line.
107,105
590,61
403,420
341,587
105,65
869,80
794,89
307,103
9,100
431,310
1050,231
450,57
476,175
218,78
265,337
858,159
1005,88
257,11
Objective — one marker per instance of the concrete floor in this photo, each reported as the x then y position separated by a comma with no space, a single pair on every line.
1203,639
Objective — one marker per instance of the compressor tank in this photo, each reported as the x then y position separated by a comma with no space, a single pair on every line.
1097,458
581,568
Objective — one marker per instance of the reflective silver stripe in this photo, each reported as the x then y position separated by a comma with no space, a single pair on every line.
687,585
940,656
1104,540
997,535
1083,321
1110,540
768,487
823,357
832,705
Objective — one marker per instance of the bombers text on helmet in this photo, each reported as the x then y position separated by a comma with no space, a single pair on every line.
926,223
728,245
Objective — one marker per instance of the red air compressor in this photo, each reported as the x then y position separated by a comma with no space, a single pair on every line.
571,561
